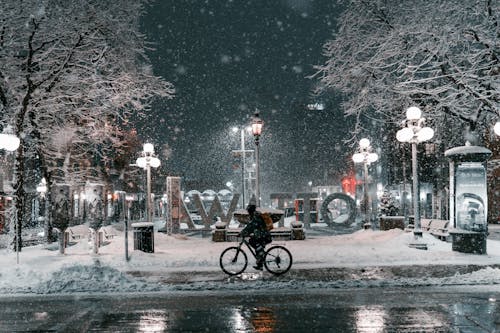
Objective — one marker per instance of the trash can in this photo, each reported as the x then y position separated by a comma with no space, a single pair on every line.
298,231
144,236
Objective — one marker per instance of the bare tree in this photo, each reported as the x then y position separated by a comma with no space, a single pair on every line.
441,55
70,71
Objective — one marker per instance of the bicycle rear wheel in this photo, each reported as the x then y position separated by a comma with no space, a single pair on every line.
278,260
233,260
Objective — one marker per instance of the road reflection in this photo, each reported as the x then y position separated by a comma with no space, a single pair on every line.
370,319
360,311
153,322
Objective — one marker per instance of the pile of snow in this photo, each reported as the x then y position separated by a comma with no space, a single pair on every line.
74,278
90,278
42,270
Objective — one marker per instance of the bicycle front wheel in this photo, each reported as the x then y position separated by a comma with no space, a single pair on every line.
233,260
278,260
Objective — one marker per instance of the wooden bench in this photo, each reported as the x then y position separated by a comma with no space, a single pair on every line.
425,224
439,229
281,233
108,232
232,234
72,235
76,233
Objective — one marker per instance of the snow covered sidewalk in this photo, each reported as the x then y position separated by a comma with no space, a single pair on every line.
43,270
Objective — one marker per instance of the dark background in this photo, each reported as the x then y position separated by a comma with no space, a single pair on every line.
229,58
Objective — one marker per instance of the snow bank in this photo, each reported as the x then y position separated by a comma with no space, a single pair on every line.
42,270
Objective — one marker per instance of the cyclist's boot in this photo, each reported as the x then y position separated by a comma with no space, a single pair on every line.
260,257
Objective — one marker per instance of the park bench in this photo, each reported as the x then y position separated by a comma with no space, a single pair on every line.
232,234
73,235
108,232
281,233
439,229
425,224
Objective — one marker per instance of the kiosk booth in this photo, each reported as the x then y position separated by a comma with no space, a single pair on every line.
468,198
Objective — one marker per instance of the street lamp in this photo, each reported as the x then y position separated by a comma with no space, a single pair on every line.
366,157
10,142
496,128
414,133
42,190
128,199
243,158
83,196
257,124
146,161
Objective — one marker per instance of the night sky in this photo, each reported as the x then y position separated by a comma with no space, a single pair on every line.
227,58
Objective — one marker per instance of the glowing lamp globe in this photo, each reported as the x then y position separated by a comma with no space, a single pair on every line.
496,129
8,140
141,162
425,134
413,113
404,134
364,143
358,158
257,124
155,162
372,157
149,148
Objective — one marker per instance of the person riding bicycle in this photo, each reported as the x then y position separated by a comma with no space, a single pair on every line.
259,235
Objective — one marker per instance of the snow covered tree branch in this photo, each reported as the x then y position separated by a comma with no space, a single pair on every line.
67,70
441,55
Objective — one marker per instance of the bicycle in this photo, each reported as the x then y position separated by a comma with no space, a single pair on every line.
234,260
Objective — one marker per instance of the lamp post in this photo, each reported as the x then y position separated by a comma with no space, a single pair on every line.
366,157
164,200
128,199
10,142
414,133
146,161
42,190
257,124
243,152
83,197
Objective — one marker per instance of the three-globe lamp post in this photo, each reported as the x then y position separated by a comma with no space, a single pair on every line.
42,191
10,142
414,133
146,161
365,156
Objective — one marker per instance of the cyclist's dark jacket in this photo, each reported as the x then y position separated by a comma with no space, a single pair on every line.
257,226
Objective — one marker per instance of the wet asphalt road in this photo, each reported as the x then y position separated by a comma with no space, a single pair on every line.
456,309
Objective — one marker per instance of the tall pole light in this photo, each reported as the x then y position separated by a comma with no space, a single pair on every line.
365,156
128,199
414,133
257,124
42,190
243,159
146,161
10,142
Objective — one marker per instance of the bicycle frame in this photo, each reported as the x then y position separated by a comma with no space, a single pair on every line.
250,248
